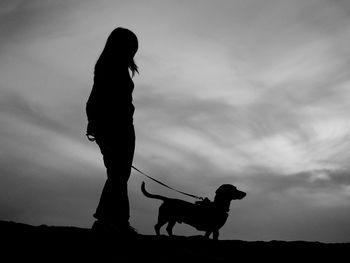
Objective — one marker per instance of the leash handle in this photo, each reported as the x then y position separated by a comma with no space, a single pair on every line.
155,180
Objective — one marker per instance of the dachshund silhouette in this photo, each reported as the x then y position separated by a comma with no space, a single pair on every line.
203,215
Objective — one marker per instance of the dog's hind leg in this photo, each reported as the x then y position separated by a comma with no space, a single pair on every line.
207,234
170,226
158,226
162,219
161,222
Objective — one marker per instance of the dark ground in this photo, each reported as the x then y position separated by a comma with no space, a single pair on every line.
22,242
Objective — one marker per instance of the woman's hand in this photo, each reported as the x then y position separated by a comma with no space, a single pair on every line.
90,133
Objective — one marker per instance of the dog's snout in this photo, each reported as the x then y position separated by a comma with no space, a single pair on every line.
240,195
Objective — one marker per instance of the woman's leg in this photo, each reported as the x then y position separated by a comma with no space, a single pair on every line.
118,153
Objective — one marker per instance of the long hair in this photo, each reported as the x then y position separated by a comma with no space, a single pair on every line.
119,50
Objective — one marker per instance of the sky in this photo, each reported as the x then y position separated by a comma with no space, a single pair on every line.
254,93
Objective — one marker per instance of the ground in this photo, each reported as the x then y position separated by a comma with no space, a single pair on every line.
23,242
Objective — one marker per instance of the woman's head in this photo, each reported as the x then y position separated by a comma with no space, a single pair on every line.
120,49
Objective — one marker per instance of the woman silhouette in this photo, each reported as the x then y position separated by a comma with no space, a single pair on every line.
110,123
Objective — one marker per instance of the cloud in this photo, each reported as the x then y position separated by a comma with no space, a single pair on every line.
8,6
23,20
43,164
273,135
331,197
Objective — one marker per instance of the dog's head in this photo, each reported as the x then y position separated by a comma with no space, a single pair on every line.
229,192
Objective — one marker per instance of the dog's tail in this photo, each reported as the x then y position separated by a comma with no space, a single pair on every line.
149,195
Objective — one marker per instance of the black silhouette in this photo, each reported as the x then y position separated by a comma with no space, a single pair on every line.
110,123
28,243
203,215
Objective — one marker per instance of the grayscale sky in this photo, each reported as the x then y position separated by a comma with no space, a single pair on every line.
253,93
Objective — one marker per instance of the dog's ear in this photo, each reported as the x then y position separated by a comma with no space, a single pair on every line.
226,188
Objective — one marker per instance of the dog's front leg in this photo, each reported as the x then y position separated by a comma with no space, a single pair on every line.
216,234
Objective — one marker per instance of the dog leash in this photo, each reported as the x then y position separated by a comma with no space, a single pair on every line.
155,180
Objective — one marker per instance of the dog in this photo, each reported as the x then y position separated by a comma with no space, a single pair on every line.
203,215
